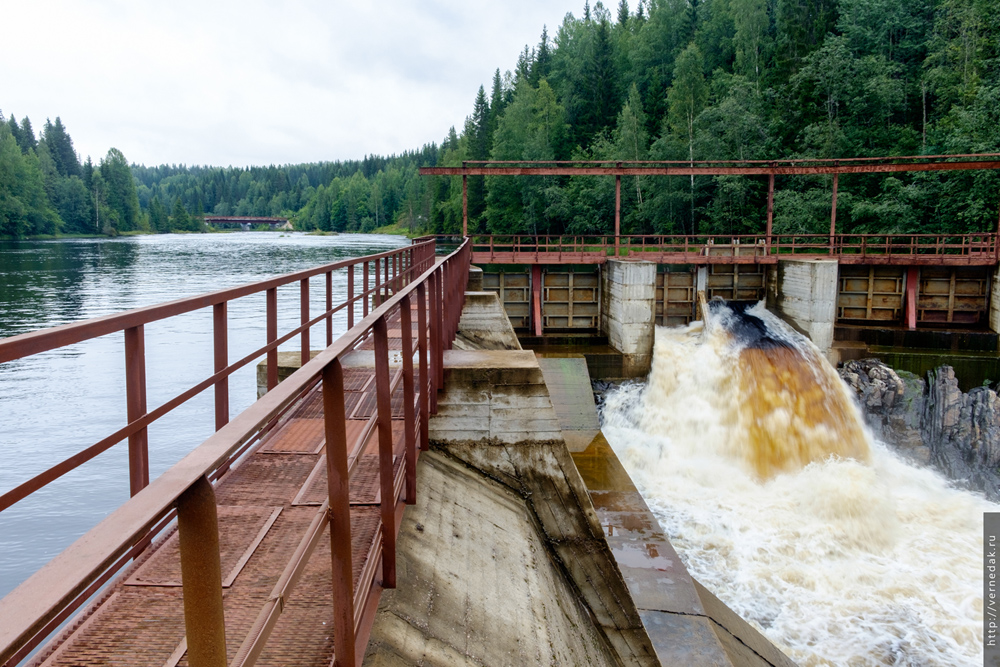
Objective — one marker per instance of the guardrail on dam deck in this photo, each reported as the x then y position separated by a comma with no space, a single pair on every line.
405,285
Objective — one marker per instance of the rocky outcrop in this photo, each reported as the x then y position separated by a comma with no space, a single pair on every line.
933,421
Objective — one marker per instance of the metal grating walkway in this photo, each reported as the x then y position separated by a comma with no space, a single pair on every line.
266,505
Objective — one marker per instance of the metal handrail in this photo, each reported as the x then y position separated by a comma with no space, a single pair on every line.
29,612
399,265
598,247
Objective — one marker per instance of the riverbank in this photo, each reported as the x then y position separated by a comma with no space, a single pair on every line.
386,230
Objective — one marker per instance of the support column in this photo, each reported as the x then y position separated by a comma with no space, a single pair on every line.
912,278
806,298
628,309
465,205
536,297
618,210
833,212
770,212
701,291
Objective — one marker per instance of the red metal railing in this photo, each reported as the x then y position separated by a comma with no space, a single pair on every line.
708,248
32,611
398,266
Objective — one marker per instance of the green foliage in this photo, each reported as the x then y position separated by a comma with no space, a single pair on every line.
531,128
672,80
120,193
24,206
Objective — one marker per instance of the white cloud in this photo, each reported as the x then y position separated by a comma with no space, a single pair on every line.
256,82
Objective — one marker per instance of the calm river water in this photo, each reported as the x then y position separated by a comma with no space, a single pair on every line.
56,403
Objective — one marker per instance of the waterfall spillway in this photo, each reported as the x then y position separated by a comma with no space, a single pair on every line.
748,448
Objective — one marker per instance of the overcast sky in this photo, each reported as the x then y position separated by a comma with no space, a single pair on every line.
255,81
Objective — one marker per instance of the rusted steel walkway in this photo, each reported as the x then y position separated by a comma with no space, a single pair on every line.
282,560
268,508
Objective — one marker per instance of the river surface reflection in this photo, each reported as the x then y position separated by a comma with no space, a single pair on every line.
54,404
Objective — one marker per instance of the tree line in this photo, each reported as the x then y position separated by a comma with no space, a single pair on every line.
44,189
665,80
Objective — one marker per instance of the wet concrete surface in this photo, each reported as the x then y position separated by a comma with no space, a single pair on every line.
686,623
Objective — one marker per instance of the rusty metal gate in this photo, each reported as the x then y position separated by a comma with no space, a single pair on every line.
676,295
871,293
735,282
513,286
570,298
952,295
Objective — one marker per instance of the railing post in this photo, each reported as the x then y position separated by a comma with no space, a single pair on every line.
329,307
435,342
201,576
425,383
220,326
304,318
409,421
135,398
338,486
272,335
383,400
385,281
350,296
364,289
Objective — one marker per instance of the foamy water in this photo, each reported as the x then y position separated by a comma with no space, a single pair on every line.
841,561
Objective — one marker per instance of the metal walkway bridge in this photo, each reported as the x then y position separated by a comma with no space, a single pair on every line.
271,542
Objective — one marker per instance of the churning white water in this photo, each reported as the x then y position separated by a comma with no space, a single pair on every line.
849,558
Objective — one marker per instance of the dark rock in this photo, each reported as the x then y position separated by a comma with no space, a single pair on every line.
963,431
892,404
933,421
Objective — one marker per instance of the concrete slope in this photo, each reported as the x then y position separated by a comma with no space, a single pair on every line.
496,422
477,585
484,324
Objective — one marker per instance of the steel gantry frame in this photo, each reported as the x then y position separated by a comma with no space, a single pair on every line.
769,168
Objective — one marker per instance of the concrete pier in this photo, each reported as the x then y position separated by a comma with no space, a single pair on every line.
804,294
628,308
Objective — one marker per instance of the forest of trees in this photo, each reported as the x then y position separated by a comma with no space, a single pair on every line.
45,190
663,80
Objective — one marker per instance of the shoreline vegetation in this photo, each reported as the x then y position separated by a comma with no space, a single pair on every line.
395,230
658,80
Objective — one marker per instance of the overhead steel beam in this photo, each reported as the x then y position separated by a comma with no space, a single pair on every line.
680,170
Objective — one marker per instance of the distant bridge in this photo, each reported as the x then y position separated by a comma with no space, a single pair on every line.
246,222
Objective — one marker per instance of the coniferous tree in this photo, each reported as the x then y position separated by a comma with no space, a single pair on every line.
61,148
542,63
26,138
601,83
24,206
15,131
498,103
480,143
687,98
623,15
121,197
